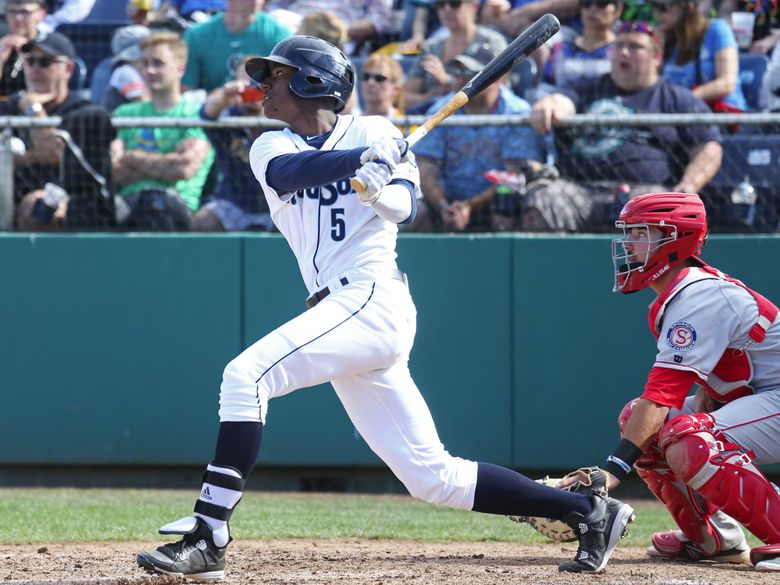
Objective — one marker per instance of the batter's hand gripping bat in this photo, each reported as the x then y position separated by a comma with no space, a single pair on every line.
518,50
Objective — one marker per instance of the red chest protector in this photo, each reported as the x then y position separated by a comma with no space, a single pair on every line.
734,368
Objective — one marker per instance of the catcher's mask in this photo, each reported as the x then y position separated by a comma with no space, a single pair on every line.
322,69
660,231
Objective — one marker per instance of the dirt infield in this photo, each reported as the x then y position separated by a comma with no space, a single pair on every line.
363,562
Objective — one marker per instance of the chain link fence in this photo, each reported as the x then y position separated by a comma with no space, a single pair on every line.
743,196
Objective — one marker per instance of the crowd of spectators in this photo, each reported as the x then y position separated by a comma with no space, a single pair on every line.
184,59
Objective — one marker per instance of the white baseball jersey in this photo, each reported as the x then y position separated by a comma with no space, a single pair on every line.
329,230
359,336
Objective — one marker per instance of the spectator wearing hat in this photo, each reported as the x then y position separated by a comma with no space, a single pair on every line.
48,65
22,18
428,79
126,83
454,160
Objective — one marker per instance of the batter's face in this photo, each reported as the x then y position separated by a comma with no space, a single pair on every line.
280,102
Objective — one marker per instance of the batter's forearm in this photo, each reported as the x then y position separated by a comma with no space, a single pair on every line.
304,170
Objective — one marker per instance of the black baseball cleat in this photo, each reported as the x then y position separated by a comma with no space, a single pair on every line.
598,534
194,557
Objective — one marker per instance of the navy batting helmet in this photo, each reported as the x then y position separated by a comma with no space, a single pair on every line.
323,70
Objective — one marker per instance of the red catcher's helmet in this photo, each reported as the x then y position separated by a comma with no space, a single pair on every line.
682,222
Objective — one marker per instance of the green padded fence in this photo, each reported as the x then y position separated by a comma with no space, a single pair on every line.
112,346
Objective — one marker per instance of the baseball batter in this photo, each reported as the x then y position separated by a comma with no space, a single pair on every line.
700,454
359,327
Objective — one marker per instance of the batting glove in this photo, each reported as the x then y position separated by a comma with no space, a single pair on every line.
391,150
374,175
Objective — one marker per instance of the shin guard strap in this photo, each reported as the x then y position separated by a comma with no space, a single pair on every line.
224,481
213,511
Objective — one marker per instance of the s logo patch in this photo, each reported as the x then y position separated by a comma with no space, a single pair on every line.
678,359
681,336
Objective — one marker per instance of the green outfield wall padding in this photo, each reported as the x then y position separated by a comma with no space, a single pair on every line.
112,347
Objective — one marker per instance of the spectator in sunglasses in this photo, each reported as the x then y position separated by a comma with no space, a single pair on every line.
22,18
588,53
381,86
428,78
700,54
602,161
48,66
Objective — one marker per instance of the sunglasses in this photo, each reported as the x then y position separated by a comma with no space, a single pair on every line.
20,12
596,3
376,77
43,62
660,6
454,4
638,27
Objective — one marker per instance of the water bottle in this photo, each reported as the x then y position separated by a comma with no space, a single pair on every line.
510,188
620,198
505,202
622,192
743,201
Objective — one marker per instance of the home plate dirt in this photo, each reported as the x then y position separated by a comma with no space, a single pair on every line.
364,562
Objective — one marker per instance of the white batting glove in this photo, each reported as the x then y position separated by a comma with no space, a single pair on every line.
374,175
391,150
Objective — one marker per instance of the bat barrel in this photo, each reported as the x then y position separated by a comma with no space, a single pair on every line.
518,50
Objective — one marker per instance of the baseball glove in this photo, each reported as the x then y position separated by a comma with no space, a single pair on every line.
594,483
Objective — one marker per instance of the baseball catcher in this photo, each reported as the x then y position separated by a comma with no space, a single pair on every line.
700,454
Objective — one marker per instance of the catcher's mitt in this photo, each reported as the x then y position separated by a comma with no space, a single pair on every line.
594,483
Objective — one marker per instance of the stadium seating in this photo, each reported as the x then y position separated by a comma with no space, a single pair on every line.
108,11
78,81
752,71
757,158
92,41
99,83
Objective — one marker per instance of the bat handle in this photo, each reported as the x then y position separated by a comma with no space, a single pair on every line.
457,102
357,185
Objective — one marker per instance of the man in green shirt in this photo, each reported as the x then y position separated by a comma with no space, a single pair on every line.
216,46
150,162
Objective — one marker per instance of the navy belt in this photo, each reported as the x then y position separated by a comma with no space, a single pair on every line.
321,294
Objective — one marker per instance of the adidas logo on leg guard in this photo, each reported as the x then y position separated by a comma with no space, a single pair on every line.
201,553
221,491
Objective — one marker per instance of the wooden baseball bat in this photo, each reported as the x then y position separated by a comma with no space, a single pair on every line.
518,50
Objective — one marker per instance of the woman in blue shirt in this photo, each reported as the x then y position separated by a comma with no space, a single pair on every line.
701,54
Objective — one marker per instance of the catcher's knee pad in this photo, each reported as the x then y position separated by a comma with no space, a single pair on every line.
722,472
